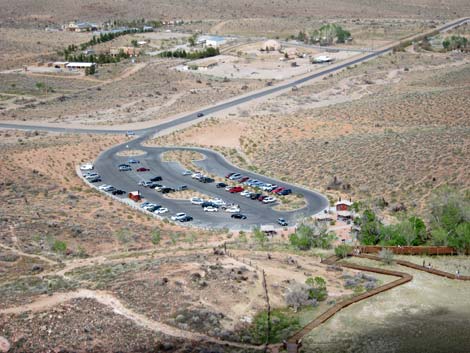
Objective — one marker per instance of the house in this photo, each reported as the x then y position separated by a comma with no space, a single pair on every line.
322,59
324,217
213,41
131,51
81,27
60,64
79,65
343,205
206,64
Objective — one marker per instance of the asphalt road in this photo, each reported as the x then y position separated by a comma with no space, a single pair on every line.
214,163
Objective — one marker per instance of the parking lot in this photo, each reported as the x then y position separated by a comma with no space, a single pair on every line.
243,201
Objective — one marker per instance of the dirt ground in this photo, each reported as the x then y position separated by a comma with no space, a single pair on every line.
415,317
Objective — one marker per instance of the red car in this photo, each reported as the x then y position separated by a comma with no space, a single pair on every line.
262,197
142,169
242,180
235,189
278,190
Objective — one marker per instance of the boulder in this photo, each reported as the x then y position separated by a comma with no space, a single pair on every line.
4,345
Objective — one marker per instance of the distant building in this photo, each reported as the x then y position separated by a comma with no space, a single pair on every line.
343,209
322,59
211,41
207,64
81,27
131,51
79,65
271,45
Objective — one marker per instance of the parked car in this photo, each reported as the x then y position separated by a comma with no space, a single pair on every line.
154,185
235,189
261,197
279,189
161,210
282,222
208,203
245,193
220,185
178,216
228,187
125,168
285,192
197,175
133,161
206,180
91,175
103,186
200,115
269,199
255,196
242,180
144,183
186,219
182,187
166,190
238,216
218,202
142,169
235,176
86,166
156,178
229,175
187,172
233,209
118,192
196,200
96,179
130,133
210,209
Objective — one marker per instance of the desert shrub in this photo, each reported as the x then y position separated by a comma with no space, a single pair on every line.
298,295
343,250
309,236
156,237
386,256
259,237
59,246
317,289
450,219
282,326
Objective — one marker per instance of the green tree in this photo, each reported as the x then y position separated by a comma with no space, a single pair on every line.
343,250
282,326
317,288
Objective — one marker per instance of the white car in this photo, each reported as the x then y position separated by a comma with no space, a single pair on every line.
233,209
178,216
245,193
86,166
149,206
266,187
235,176
228,187
161,210
269,199
187,172
196,201
91,175
210,209
103,186
196,175
218,202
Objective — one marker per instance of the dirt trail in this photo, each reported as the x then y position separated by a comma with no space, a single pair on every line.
21,253
102,297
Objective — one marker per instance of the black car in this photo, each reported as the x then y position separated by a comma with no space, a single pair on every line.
238,216
118,192
95,180
220,185
206,180
153,185
186,219
200,114
209,204
157,178
166,190
285,192
282,222
255,196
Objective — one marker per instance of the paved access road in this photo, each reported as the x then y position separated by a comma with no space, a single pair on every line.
215,164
